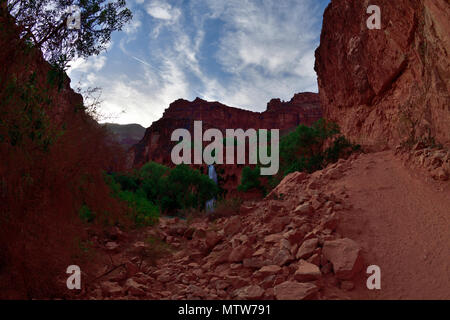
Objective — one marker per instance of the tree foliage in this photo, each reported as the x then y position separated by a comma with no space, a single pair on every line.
304,149
250,179
44,24
171,190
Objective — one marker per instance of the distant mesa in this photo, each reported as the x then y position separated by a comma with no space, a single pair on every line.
126,135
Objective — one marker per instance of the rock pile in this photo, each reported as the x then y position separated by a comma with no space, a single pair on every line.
435,160
284,247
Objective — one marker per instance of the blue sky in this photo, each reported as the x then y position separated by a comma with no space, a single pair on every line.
239,52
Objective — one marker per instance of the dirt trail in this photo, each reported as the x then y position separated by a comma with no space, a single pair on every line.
402,222
401,219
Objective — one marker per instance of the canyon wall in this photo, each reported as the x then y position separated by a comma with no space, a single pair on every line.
387,86
157,146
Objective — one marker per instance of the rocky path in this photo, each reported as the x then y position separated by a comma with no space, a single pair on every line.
312,237
403,223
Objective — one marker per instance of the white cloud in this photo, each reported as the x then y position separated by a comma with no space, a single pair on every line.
162,10
134,25
270,36
266,49
94,63
139,98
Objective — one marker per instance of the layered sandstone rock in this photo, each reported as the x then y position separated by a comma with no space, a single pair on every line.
385,86
156,144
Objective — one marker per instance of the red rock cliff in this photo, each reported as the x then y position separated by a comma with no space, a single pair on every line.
389,85
156,144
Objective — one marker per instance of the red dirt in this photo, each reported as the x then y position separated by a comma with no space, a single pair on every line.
402,221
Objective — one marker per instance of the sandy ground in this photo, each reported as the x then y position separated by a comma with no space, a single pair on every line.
402,220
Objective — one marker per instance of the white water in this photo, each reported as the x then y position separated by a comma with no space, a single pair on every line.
213,176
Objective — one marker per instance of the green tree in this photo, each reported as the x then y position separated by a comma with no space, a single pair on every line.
44,24
250,179
169,189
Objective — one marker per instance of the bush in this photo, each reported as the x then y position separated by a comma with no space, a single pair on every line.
187,188
341,147
250,179
302,150
143,212
170,190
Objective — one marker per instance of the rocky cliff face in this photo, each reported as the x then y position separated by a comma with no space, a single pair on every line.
156,144
389,85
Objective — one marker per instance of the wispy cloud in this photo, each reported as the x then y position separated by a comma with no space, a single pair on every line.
242,53
141,61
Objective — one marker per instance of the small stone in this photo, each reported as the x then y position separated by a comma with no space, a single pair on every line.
273,238
112,246
293,290
347,285
133,288
305,208
233,226
441,174
307,272
282,257
307,248
110,288
252,292
345,255
268,271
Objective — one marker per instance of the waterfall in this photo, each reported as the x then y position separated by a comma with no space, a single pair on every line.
213,176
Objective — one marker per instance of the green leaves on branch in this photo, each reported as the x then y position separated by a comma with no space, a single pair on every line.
305,149
44,24
168,190
23,110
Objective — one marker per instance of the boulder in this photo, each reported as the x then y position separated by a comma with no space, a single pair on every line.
133,288
307,248
233,226
268,271
293,290
282,257
239,253
252,292
307,272
111,289
345,256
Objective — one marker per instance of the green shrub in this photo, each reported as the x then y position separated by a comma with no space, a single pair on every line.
126,182
187,188
143,212
303,149
169,190
341,147
250,179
